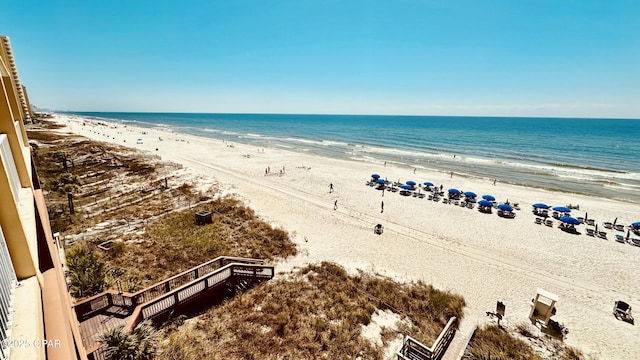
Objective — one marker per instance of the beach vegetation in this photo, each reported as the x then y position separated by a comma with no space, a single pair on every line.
520,343
175,243
87,271
66,182
318,311
494,342
139,344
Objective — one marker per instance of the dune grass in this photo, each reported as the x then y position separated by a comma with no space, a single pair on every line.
175,243
497,343
317,312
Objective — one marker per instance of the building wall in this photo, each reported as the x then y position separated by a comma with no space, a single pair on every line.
40,308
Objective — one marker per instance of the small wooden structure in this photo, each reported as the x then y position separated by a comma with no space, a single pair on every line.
543,306
413,349
203,217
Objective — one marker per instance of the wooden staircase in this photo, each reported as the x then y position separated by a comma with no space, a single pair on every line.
177,294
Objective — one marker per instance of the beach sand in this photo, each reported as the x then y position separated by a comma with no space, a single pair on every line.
483,257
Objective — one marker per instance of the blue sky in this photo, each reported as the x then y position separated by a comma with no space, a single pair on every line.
502,58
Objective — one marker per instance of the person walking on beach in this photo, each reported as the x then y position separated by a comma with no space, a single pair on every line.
452,174
494,182
414,170
382,207
330,188
335,205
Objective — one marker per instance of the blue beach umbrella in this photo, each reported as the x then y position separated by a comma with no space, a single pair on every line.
411,183
505,207
406,187
485,202
562,209
636,225
427,183
375,176
470,194
380,181
569,220
488,198
454,191
541,206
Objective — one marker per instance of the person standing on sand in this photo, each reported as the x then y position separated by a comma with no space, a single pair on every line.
494,182
382,207
330,188
335,205
414,170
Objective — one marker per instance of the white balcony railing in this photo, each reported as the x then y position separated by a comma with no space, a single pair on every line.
7,286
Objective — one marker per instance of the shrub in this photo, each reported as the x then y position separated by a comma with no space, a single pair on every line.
87,270
139,344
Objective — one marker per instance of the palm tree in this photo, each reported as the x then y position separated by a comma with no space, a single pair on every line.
139,344
64,157
87,270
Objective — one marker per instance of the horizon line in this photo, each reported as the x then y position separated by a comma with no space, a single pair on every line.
339,114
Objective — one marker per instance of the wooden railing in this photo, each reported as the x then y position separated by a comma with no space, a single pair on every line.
177,292
172,300
412,349
87,308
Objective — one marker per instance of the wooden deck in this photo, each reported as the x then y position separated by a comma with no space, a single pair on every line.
108,318
110,309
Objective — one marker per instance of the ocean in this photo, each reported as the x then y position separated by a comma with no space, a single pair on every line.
600,157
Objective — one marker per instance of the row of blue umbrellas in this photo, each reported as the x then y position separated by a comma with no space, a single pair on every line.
410,182
563,209
487,199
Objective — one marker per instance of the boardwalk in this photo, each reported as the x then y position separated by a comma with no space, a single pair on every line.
110,309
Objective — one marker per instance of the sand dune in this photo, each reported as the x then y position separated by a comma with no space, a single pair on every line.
482,257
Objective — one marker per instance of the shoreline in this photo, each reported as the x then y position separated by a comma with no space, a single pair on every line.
491,162
482,257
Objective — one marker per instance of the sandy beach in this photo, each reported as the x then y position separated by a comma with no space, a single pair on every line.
483,257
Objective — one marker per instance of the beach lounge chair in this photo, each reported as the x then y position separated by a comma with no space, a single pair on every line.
622,311
581,219
538,221
618,227
470,205
591,222
608,225
634,242
555,215
620,238
549,223
591,232
430,197
602,234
